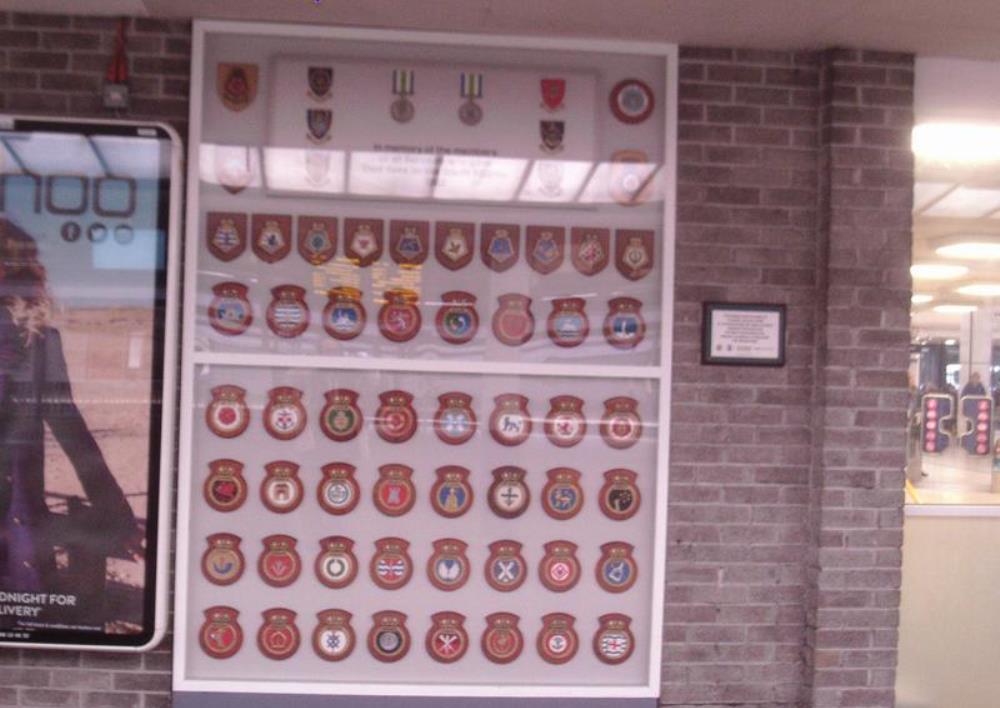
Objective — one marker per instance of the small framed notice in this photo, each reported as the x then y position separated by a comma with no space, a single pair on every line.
743,334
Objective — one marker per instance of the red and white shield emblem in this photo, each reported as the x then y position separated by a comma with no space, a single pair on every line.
447,640
565,424
505,568
388,639
230,312
500,246
281,491
336,565
557,641
562,496
509,496
317,238
409,242
457,320
453,243
225,489
399,318
616,568
222,562
363,240
228,415
338,492
448,567
278,637
545,248
279,565
510,421
454,421
391,567
559,570
619,496
589,249
272,236
502,641
220,635
341,418
226,234
553,94
567,325
395,419
288,313
613,641
393,493
624,326
634,252
333,639
344,316
284,415
513,323
451,495
621,426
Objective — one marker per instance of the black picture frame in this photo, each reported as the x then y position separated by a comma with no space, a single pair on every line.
710,358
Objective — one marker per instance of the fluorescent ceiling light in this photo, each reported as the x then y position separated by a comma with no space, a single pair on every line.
937,271
921,298
980,290
955,309
971,250
951,342
965,203
956,142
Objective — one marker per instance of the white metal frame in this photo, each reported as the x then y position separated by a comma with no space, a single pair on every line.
191,358
168,423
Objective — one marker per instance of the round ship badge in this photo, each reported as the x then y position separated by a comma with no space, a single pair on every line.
447,640
399,318
513,323
451,495
395,419
621,426
341,418
336,565
565,424
388,639
619,497
278,637
288,313
338,492
448,567
230,312
225,489
457,320
344,316
613,641
562,496
509,495
284,415
559,570
631,101
505,568
279,565
510,421
220,635
616,569
502,641
228,415
454,421
390,568
557,641
393,493
624,326
333,639
281,491
222,563
567,325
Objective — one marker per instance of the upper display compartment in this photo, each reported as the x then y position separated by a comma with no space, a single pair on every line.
407,200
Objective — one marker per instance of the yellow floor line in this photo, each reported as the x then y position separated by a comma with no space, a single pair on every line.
912,492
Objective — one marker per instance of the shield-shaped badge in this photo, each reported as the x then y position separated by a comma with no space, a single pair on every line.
228,414
288,313
281,491
333,639
567,325
230,312
509,496
613,641
619,496
236,85
222,563
510,421
457,320
557,641
388,639
317,167
634,252
226,234
545,248
319,121
341,418
565,424
320,79
399,318
363,240
409,242
621,426
562,496
505,568
451,495
279,564
553,132
393,493
454,421
395,419
631,177
391,567
448,568
336,565
624,326
278,637
500,245
225,488
453,243
553,94
338,491
317,238
589,249
559,570
235,167
344,316
616,568
284,414
220,635
447,640
513,323
272,236
502,641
